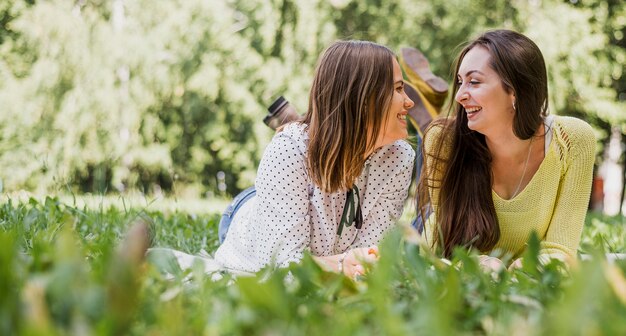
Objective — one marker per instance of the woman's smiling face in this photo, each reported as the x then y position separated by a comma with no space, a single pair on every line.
394,124
487,102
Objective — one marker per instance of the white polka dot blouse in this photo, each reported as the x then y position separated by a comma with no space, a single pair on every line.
289,214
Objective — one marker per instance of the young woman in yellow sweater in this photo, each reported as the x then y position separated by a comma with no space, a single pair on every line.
501,167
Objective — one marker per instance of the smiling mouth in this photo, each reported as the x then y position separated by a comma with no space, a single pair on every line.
401,116
473,110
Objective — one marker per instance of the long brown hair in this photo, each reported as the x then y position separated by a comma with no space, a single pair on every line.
465,211
350,94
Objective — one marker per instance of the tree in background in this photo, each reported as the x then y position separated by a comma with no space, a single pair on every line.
115,95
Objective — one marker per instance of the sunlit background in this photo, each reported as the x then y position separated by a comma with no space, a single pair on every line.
166,97
117,113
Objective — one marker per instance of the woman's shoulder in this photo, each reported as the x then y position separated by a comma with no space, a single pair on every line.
438,133
290,143
574,135
572,124
398,152
572,129
402,146
403,149
294,133
294,130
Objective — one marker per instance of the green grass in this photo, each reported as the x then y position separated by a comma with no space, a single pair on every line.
604,233
60,273
129,200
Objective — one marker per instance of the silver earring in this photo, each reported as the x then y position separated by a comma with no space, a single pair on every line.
514,108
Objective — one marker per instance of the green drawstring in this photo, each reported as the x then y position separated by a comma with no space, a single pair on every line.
351,213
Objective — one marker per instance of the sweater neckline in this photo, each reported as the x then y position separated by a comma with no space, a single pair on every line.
548,155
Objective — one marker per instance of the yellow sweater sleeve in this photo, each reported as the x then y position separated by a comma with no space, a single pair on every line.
577,143
434,169
434,161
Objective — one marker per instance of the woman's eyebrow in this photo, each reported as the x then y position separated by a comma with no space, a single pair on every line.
473,71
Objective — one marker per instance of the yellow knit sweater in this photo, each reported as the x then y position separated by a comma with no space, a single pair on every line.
554,202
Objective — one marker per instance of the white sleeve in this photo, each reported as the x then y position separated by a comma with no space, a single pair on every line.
387,188
282,229
399,161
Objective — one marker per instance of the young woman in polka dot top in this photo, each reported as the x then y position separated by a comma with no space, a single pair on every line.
334,182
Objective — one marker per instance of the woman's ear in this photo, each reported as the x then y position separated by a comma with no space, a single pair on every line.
512,95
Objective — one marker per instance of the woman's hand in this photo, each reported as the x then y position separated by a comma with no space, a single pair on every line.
351,263
489,263
355,260
517,264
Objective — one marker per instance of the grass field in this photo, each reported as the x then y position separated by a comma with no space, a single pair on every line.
61,273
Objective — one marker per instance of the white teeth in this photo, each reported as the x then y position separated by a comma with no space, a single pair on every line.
402,116
472,109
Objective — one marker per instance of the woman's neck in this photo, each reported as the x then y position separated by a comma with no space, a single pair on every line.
507,146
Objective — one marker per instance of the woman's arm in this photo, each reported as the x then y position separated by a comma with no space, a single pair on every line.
388,177
393,168
386,188
277,229
436,152
563,235
283,221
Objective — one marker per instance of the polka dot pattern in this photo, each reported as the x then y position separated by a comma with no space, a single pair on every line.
290,214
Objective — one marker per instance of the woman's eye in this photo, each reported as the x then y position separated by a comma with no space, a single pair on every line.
472,82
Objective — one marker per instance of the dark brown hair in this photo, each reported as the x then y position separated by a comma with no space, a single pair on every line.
351,91
465,214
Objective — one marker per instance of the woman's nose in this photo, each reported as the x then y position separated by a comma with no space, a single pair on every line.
408,103
461,96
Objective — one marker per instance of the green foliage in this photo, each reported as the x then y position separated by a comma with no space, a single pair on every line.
115,95
61,273
130,100
602,233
